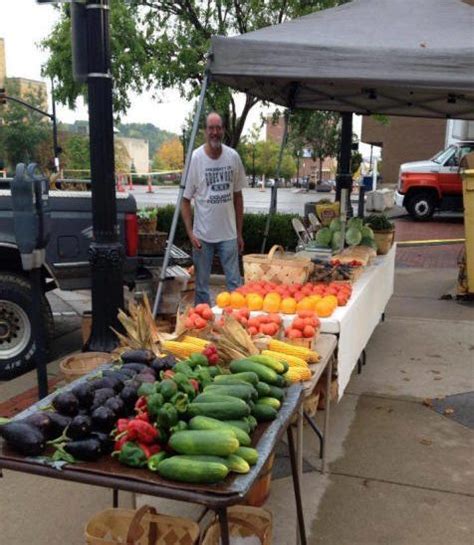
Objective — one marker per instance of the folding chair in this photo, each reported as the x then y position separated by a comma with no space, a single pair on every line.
314,224
300,230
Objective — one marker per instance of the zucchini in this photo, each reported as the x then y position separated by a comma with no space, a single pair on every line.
213,398
264,413
181,468
242,391
250,455
270,402
242,424
265,374
229,410
269,362
233,462
237,378
207,423
263,389
277,393
215,442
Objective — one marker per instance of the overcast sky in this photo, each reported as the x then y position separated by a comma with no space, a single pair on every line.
24,23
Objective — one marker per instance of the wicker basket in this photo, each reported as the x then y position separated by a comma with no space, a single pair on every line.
147,225
284,269
260,491
384,240
153,243
244,522
142,527
77,365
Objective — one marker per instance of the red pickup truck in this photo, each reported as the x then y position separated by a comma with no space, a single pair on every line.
435,184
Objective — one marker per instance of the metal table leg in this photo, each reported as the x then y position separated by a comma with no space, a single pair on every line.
317,431
299,441
115,498
364,357
326,414
296,487
224,525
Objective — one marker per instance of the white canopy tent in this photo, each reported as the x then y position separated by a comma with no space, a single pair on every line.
392,57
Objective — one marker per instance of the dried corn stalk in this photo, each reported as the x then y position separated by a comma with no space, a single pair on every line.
233,342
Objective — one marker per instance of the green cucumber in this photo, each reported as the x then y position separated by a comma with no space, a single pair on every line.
207,423
263,389
213,398
277,393
233,462
250,455
181,468
249,377
252,422
265,374
242,391
215,442
270,402
269,362
229,410
242,424
264,413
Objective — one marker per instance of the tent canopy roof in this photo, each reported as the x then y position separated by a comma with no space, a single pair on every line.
394,57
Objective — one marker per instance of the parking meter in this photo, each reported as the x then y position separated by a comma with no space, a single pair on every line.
31,215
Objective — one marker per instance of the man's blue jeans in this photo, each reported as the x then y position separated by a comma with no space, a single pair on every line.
228,253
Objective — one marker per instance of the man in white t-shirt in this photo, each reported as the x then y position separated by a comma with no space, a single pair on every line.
215,181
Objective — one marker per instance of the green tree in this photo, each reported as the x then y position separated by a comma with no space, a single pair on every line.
23,130
164,44
318,131
266,160
76,155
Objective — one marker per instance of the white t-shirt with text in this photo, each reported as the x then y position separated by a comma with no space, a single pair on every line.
212,183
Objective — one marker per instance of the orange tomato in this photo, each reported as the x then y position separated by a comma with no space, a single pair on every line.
304,304
288,305
237,300
254,301
324,308
223,299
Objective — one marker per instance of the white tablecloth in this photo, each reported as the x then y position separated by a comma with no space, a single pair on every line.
355,323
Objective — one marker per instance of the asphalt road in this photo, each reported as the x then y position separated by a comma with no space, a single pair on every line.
289,200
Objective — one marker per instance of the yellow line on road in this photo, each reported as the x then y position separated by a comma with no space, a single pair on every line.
432,241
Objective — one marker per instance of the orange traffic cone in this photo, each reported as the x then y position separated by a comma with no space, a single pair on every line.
120,188
150,186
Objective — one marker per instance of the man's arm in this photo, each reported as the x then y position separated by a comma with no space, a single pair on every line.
239,218
188,222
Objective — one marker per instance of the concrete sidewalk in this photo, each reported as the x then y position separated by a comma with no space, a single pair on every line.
400,473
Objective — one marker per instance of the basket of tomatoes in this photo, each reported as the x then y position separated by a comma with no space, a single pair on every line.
304,329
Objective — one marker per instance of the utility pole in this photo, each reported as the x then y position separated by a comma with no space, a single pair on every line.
57,149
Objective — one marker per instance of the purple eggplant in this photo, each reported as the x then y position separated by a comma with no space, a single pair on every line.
66,403
23,437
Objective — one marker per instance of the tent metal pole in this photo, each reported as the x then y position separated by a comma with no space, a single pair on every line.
274,189
182,187
344,176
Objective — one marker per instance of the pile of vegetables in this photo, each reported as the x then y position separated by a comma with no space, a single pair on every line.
379,222
356,234
187,420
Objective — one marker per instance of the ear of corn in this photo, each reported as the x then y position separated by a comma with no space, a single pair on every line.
181,350
292,361
196,341
298,374
302,352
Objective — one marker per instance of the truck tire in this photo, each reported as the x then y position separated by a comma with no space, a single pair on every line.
421,205
17,347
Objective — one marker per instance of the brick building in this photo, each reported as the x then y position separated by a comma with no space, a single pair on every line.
403,139
307,166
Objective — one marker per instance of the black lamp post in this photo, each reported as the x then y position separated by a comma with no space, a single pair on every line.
344,176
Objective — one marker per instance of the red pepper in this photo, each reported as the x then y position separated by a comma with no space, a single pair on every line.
143,416
141,404
122,424
149,450
194,383
168,374
120,442
142,431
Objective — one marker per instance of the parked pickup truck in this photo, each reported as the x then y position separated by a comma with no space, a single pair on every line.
66,267
435,184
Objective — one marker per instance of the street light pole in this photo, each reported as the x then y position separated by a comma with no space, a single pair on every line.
105,251
57,150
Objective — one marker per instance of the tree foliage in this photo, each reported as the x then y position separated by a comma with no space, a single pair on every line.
24,130
169,156
266,154
317,131
162,44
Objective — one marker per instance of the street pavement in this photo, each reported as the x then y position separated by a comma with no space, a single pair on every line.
400,473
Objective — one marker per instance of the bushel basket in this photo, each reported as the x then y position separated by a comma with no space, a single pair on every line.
142,527
284,269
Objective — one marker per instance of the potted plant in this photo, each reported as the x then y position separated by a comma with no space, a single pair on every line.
384,231
147,219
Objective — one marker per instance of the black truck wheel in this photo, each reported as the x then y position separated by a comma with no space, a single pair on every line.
421,205
17,347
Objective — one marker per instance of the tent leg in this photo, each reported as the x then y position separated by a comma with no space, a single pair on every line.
274,189
344,177
182,187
